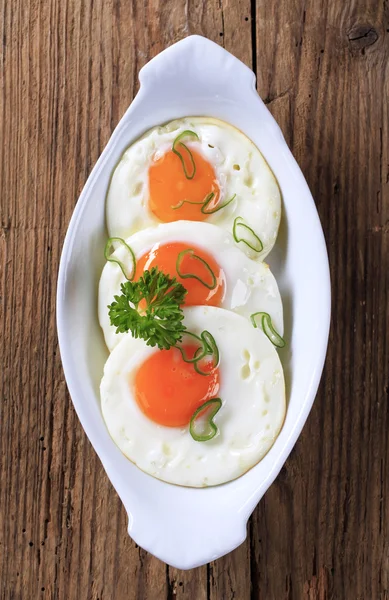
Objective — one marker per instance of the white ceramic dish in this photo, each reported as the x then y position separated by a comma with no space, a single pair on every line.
182,526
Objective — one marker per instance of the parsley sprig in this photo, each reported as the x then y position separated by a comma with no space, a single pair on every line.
159,321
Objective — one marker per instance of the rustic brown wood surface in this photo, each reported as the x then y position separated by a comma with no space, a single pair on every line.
68,72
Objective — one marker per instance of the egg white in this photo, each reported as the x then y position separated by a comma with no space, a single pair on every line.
250,285
240,169
253,406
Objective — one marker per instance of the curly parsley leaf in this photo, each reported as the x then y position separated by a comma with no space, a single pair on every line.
150,309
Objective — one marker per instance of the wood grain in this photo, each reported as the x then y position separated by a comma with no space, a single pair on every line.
68,72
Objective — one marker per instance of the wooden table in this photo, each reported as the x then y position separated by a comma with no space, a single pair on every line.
68,72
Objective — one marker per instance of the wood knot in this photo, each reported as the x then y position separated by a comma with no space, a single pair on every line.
362,36
5,226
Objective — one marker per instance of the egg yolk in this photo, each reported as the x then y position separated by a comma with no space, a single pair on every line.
168,390
169,186
165,258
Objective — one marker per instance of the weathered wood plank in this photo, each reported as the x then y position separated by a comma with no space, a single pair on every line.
69,71
322,529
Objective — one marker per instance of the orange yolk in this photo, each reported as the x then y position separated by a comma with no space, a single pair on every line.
168,390
168,186
165,258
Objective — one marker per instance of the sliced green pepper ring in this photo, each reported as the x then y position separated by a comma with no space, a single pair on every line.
108,256
204,204
210,429
206,211
191,252
267,328
211,349
202,349
207,347
211,344
182,202
178,144
254,242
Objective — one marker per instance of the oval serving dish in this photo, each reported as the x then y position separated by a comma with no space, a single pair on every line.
188,527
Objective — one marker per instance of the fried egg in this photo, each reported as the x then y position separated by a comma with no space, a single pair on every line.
148,397
155,183
239,283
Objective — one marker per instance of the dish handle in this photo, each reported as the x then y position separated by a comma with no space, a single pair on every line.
180,67
186,536
184,527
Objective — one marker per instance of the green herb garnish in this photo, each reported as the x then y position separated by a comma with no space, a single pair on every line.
108,256
246,235
159,322
208,429
267,328
177,148
180,258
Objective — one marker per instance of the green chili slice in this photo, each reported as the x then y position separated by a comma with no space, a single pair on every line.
108,256
191,252
212,346
182,202
202,349
179,145
253,240
207,347
209,429
206,211
205,203
268,329
211,350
